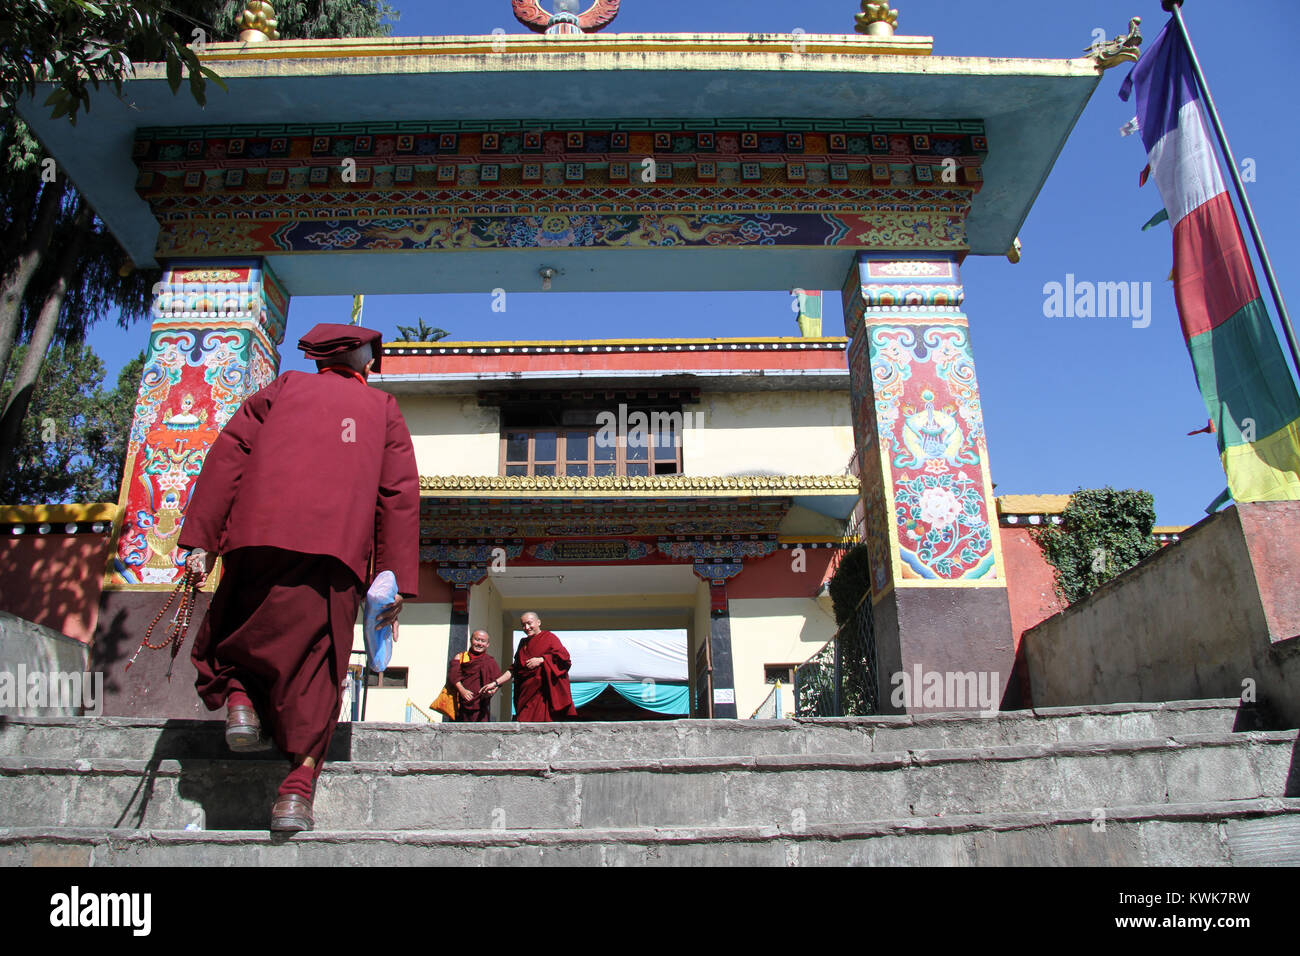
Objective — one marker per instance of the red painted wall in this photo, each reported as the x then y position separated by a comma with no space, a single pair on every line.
433,589
1031,590
54,580
772,577
1031,581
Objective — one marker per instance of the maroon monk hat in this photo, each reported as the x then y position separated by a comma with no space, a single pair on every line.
329,339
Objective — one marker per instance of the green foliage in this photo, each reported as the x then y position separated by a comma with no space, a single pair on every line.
850,583
74,438
299,19
815,689
1103,533
422,333
21,151
850,591
76,45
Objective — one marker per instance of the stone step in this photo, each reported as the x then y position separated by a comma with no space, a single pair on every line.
1232,833
135,738
788,789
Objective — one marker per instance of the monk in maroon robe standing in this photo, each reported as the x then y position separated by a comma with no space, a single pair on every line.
309,491
541,674
468,678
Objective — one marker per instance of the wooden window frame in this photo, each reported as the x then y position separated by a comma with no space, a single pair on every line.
562,432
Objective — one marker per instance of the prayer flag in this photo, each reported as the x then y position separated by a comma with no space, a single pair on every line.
1239,365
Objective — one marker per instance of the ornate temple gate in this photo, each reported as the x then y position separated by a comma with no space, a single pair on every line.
714,162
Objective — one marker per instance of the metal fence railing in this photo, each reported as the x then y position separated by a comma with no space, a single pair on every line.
840,679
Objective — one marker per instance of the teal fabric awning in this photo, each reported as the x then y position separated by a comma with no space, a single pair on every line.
652,695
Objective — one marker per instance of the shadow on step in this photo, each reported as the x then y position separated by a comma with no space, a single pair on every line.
1293,772
1257,716
205,786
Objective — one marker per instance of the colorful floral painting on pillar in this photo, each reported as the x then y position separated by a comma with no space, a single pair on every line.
919,425
214,341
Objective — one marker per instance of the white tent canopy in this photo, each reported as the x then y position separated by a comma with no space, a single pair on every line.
625,655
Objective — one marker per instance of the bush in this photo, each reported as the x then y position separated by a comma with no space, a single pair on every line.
1103,533
850,583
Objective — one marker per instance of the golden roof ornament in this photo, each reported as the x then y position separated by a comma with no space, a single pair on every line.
257,22
876,19
1119,50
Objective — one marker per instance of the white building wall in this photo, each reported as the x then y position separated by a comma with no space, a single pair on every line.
727,433
773,631
423,635
782,433
453,435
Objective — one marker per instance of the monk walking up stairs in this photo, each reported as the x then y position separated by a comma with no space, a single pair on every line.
274,646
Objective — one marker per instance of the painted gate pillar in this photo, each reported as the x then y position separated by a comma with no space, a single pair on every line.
215,340
721,677
938,586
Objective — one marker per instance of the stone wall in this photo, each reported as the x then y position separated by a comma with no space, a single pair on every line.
43,673
1215,615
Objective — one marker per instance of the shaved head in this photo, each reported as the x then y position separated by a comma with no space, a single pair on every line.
355,360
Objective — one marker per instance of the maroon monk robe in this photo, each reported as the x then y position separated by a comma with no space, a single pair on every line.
312,476
542,694
480,669
280,630
320,464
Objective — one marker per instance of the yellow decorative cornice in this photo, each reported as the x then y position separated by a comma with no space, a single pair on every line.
665,485
1032,504
532,45
57,514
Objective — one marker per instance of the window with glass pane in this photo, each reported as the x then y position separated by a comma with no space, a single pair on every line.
545,446
665,446
575,451
516,452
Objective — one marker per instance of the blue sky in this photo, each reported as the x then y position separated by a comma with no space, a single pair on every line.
1068,402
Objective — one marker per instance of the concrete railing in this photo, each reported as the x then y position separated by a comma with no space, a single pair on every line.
1215,615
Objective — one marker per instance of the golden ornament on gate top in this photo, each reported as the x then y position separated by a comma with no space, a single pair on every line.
257,22
876,19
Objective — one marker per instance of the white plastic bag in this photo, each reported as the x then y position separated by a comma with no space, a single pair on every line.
379,641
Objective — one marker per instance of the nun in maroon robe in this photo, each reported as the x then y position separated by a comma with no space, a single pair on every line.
541,674
309,491
473,670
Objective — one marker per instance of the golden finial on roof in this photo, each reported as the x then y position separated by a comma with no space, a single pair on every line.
1123,49
257,22
876,19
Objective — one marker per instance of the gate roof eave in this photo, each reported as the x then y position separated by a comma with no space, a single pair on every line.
1029,106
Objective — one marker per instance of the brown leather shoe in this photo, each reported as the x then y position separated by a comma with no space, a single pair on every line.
291,813
244,730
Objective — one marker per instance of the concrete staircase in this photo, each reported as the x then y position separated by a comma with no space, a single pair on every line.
1188,783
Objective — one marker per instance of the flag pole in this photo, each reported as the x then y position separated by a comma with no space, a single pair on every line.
1174,7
